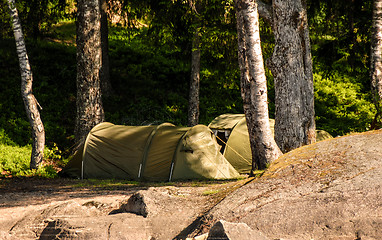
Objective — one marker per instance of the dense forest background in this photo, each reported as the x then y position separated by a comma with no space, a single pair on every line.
150,44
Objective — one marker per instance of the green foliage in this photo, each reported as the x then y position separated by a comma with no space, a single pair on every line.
149,83
14,162
4,139
36,16
54,74
340,105
12,119
5,23
219,94
63,32
340,40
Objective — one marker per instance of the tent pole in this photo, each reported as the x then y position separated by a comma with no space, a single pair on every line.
82,169
172,168
140,170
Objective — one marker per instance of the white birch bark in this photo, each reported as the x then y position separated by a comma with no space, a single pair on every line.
376,62
254,86
30,102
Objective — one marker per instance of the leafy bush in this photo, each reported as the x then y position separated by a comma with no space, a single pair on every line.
4,139
15,161
340,105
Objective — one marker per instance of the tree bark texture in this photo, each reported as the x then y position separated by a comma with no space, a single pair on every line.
291,66
106,86
89,102
30,102
376,61
254,85
193,103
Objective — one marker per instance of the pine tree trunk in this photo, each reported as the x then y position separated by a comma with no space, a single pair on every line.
30,102
376,62
254,86
107,89
193,103
89,102
291,66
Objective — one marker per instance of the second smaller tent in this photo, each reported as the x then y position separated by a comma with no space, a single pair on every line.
232,134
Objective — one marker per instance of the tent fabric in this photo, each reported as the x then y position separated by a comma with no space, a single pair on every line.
238,149
154,153
236,146
226,121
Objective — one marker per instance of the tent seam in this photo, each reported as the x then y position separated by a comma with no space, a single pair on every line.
147,148
173,162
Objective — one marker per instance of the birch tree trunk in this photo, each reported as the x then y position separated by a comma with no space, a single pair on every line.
376,62
291,66
89,102
193,103
254,85
30,102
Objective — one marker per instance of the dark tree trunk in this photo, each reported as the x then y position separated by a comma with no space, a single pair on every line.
30,102
291,66
193,103
106,86
89,102
376,63
254,86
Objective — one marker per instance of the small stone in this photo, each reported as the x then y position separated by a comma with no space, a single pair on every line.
223,230
136,204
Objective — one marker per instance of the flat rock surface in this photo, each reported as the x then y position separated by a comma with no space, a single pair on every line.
328,190
60,209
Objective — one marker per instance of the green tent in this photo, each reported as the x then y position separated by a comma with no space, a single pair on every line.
154,153
232,134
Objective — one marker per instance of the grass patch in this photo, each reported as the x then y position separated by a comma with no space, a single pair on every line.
63,32
124,183
258,173
15,162
105,183
211,192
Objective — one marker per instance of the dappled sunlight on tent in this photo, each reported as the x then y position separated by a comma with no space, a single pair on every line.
155,153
